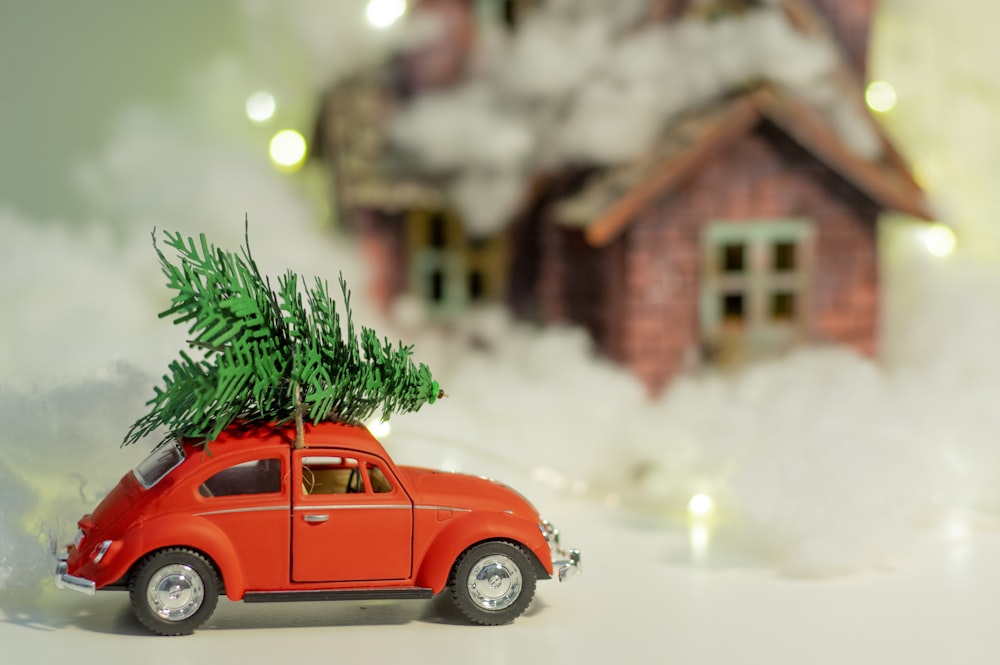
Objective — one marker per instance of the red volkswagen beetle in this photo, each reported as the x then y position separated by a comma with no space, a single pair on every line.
250,516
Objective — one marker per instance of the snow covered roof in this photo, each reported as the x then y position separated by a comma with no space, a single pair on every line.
606,204
579,86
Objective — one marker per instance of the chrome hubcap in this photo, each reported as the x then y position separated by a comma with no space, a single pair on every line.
495,582
175,592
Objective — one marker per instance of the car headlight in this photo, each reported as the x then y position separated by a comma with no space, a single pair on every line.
550,533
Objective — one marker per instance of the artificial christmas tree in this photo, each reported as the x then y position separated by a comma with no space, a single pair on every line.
270,355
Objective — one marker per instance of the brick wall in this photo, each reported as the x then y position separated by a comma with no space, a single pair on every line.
574,282
382,239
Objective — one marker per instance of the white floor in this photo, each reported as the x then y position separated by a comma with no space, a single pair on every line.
640,599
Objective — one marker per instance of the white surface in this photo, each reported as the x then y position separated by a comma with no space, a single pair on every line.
640,599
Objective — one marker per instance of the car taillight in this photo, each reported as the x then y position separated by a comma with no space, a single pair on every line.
100,551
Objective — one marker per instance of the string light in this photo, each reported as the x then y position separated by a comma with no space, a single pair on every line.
379,428
288,150
939,240
260,107
880,96
701,504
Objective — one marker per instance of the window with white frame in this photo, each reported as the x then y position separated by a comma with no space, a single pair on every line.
755,286
450,270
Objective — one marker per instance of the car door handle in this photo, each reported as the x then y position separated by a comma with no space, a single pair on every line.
315,519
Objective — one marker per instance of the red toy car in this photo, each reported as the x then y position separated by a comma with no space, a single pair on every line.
250,516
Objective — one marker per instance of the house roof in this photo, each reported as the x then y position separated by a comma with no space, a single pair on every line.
612,199
357,113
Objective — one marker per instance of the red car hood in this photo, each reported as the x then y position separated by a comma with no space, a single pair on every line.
456,490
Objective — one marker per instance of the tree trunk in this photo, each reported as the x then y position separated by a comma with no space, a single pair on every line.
300,439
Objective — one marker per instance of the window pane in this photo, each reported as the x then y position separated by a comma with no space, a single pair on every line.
437,286
783,306
733,257
733,307
331,475
380,484
256,477
438,232
159,463
783,257
510,13
476,286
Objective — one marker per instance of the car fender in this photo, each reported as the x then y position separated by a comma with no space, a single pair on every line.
196,534
477,527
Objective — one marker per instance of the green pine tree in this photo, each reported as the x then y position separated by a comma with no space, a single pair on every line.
270,355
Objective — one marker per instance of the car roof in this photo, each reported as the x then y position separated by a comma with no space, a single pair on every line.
319,436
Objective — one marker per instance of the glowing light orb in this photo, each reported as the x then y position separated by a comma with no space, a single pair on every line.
701,504
288,149
939,240
379,428
383,13
880,96
260,106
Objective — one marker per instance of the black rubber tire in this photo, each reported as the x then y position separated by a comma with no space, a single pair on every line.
198,570
463,596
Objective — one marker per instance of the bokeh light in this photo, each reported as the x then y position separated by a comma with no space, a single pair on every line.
379,428
260,106
383,13
880,96
701,504
939,240
288,149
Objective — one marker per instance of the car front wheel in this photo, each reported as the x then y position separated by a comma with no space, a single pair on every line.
174,591
492,583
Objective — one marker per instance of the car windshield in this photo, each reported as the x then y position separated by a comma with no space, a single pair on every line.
159,463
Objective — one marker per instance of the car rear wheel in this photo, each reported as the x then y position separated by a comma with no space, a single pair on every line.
174,591
492,583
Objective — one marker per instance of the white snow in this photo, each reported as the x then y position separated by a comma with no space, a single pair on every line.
577,83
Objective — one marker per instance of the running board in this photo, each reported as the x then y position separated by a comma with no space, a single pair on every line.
381,593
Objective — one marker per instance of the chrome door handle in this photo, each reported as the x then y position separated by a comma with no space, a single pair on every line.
315,519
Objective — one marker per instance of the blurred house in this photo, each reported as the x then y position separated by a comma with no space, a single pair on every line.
746,226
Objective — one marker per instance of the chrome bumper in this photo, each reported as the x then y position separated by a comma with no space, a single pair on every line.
568,566
564,562
72,582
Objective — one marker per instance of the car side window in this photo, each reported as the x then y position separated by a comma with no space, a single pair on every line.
255,477
331,475
380,484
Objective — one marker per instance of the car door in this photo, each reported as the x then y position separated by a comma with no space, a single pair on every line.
246,499
351,519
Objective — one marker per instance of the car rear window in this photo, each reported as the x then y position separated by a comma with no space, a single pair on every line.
160,462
